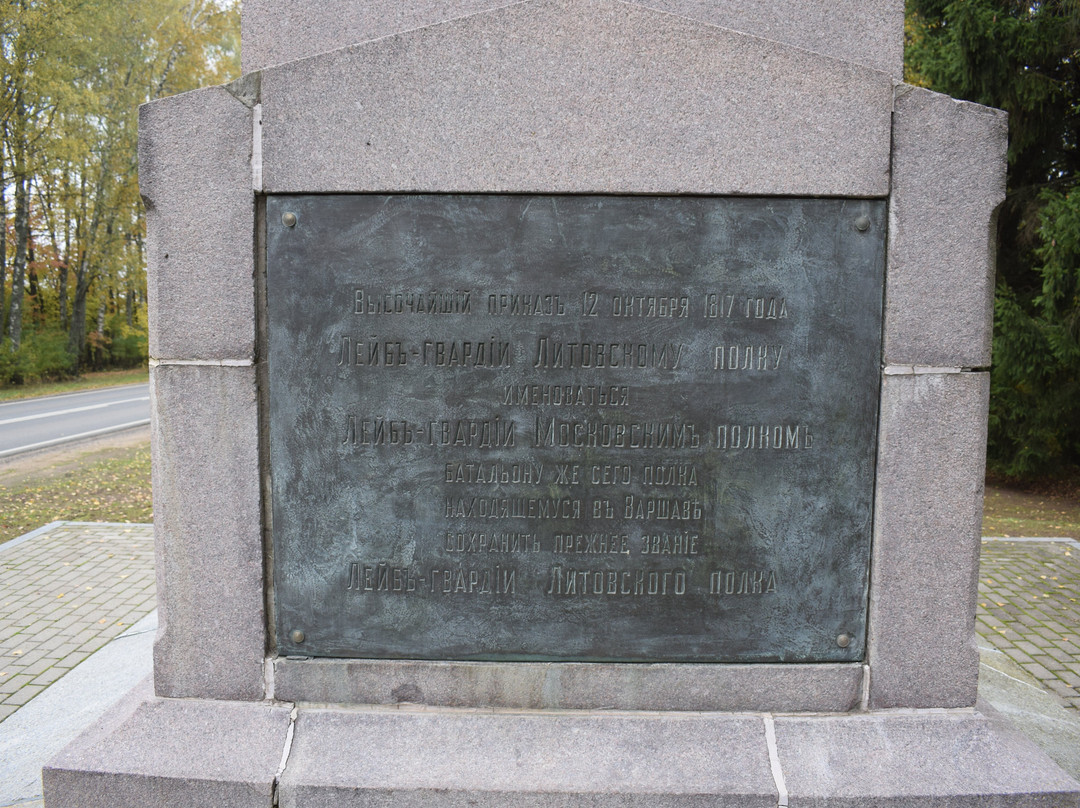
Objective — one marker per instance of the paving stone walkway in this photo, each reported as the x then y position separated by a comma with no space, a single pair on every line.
65,591
1029,609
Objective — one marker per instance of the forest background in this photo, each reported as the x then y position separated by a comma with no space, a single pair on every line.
72,265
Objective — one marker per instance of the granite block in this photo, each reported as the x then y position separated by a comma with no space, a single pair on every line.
874,36
195,178
942,760
568,96
452,758
158,752
204,442
275,31
948,180
927,519
571,686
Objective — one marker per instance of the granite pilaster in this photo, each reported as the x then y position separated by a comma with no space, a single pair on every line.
199,222
925,561
204,440
948,179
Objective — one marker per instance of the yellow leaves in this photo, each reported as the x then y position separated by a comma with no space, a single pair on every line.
1010,512
113,488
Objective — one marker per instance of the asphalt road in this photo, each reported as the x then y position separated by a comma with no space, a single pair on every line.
38,423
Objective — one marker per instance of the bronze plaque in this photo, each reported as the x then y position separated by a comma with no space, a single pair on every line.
572,427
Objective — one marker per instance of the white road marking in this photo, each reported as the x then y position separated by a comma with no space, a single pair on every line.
90,434
71,410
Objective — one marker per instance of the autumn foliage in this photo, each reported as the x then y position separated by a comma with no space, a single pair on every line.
72,269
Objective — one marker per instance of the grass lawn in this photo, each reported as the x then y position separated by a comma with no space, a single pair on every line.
108,483
1039,510
88,381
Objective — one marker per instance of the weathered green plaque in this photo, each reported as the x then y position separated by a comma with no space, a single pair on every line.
572,427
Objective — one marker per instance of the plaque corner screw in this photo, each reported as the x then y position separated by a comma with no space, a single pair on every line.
844,640
289,219
297,636
862,224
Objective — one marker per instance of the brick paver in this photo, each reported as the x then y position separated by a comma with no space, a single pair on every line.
65,593
1029,609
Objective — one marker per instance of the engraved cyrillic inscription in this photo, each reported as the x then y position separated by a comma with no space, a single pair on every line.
679,544
742,582
594,433
526,305
582,428
670,474
662,306
467,353
764,436
569,581
553,353
392,580
749,357
495,473
566,395
718,305
392,302
559,508
496,542
592,544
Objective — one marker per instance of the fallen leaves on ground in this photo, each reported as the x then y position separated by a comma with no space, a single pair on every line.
116,489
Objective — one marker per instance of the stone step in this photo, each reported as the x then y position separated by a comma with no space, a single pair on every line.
153,751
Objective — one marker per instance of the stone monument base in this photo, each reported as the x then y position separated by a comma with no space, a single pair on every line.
174,752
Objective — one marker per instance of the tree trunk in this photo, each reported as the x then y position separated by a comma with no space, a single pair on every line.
32,279
18,269
63,280
22,217
63,285
77,332
3,245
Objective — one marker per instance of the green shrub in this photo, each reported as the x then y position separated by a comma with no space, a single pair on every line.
1035,382
41,355
126,346
50,358
8,363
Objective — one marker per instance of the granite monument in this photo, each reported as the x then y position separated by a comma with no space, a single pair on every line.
575,401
